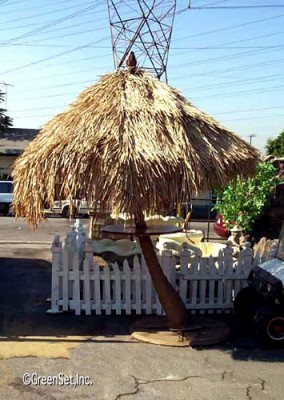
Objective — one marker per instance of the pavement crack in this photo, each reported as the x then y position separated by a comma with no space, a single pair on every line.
262,384
227,374
139,382
248,394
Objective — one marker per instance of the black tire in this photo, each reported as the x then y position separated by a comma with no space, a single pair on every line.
246,304
66,212
8,210
269,325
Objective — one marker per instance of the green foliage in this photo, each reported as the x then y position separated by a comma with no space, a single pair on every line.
5,121
244,200
276,146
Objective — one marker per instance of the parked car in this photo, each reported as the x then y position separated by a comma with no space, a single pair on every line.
203,212
6,197
63,207
261,303
201,209
220,228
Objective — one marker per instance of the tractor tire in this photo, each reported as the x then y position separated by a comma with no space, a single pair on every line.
246,304
269,325
8,210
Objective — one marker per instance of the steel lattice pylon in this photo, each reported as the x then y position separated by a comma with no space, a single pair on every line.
144,27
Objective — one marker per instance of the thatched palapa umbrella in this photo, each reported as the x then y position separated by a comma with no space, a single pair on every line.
136,143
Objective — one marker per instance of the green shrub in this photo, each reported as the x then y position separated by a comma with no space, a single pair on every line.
244,200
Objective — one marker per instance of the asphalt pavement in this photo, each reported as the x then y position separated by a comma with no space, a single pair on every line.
119,367
17,231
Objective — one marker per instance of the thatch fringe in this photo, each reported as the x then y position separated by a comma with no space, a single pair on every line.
130,141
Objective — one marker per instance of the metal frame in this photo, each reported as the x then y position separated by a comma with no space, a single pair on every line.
144,27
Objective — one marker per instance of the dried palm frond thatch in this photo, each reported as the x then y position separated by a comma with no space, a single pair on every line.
132,141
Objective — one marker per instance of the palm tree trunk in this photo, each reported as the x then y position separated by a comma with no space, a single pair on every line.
169,298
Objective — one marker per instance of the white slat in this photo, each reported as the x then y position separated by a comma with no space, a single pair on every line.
56,250
88,264
87,287
148,287
117,287
97,288
106,290
127,277
184,270
76,285
65,279
203,283
138,282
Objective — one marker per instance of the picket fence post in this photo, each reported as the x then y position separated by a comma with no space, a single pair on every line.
81,239
80,284
87,266
56,249
185,254
149,289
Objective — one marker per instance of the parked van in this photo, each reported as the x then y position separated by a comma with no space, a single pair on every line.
6,197
63,207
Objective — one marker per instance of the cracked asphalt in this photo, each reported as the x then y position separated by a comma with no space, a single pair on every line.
118,366
130,370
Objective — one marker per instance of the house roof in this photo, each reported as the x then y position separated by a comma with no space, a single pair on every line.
14,140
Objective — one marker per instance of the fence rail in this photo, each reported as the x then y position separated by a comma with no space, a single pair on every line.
80,284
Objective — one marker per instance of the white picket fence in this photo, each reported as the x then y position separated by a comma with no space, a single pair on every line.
81,285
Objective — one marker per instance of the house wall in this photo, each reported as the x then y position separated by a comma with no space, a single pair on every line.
6,164
202,198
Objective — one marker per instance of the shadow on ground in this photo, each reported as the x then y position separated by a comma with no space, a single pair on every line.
24,287
26,284
244,345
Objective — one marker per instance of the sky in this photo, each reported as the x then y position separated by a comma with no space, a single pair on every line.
226,57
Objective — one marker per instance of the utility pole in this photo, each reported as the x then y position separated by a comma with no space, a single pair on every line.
250,138
6,93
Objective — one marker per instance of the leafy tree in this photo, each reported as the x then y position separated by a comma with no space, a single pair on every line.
276,146
244,200
5,121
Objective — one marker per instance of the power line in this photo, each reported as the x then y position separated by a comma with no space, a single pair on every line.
53,57
52,23
232,27
249,110
252,118
22,10
206,60
237,68
239,82
237,7
252,38
241,92
61,36
40,14
227,47
44,77
13,28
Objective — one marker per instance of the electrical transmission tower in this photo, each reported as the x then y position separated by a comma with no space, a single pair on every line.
144,27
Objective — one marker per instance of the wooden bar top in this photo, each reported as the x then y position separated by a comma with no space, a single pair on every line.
120,229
